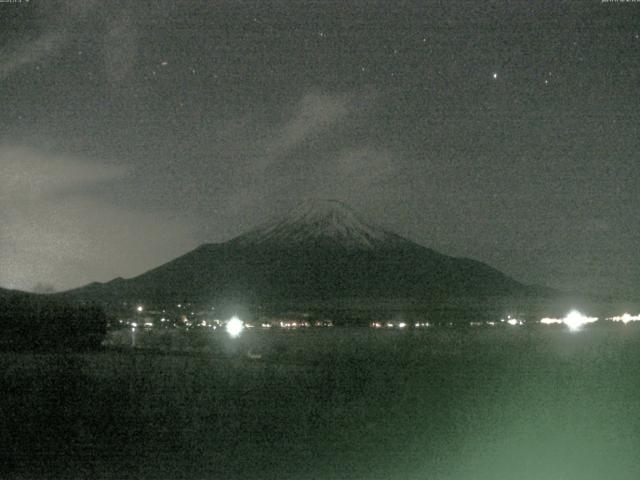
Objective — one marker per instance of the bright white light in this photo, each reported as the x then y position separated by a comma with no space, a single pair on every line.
402,325
134,324
550,321
575,320
625,318
139,308
234,326
513,321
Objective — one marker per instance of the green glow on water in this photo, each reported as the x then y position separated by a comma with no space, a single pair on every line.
496,404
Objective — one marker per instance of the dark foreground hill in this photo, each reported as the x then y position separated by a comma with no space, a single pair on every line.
33,322
323,252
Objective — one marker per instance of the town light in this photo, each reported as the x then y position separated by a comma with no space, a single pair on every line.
234,326
625,318
575,320
550,321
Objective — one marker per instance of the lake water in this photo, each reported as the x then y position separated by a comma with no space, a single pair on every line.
335,403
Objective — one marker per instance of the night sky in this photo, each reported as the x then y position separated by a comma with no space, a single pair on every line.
508,132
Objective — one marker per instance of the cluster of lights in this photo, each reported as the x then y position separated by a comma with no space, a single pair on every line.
324,323
512,321
574,320
551,321
625,318
300,324
399,325
234,326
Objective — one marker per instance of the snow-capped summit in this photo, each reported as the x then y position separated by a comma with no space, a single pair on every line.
322,221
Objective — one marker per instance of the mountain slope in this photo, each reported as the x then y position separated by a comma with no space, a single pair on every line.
322,251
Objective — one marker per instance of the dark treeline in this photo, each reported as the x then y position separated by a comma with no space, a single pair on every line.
38,322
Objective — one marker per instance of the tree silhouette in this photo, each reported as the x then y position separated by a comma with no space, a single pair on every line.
37,322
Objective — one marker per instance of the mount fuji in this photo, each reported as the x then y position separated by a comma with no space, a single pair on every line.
321,252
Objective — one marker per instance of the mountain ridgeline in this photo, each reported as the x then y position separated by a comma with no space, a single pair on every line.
321,253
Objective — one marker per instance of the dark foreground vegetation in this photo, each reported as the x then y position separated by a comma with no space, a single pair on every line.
40,323
487,404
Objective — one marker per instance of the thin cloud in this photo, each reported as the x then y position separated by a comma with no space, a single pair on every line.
28,172
56,231
314,114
